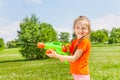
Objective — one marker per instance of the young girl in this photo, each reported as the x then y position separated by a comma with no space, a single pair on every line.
80,52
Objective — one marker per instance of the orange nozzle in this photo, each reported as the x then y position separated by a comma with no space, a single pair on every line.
40,45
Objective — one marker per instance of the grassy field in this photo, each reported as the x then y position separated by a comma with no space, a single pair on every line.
104,65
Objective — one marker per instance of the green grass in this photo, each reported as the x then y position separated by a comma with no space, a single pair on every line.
10,54
104,65
14,67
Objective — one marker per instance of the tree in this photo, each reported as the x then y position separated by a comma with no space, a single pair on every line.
2,45
106,32
64,37
99,36
73,37
31,32
114,36
47,33
12,44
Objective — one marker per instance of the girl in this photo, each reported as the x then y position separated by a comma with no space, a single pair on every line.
80,50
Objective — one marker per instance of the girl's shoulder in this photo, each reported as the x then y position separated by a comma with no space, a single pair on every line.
86,40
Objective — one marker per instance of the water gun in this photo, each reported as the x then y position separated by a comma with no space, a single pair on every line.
57,46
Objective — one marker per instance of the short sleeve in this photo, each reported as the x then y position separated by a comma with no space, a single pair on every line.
83,45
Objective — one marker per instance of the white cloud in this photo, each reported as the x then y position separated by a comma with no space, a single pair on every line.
34,1
9,31
106,22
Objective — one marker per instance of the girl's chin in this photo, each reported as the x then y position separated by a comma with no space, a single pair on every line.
80,36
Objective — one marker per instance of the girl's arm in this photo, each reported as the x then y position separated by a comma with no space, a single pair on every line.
72,58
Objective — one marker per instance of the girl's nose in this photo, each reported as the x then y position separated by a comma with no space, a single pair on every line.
80,30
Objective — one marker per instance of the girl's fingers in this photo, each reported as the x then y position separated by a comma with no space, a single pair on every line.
50,53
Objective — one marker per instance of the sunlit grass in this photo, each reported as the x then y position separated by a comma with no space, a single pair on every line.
10,54
104,65
14,67
49,69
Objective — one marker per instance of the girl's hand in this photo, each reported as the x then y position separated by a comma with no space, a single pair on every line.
50,53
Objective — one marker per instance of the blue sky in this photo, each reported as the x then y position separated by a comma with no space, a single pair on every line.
59,13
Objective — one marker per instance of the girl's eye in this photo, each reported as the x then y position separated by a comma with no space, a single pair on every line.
77,27
83,28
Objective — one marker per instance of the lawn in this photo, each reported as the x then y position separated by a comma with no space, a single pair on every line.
104,65
14,67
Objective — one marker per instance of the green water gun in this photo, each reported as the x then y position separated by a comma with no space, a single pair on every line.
57,46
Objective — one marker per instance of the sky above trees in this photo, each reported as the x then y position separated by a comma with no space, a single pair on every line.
59,13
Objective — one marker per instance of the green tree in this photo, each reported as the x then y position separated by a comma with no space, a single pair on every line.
106,32
64,37
73,37
2,45
114,36
99,36
31,32
12,44
47,33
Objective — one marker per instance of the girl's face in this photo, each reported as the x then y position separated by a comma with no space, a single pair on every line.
80,30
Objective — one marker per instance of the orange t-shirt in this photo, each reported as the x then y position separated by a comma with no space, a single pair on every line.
81,65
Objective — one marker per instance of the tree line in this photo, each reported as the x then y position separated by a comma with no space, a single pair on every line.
104,36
